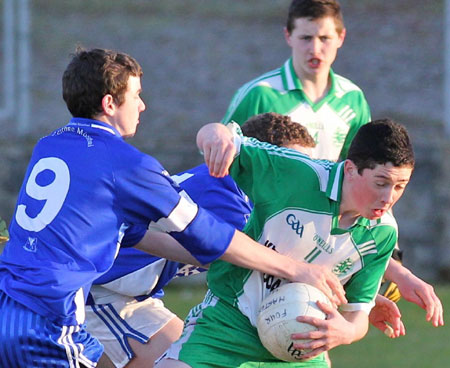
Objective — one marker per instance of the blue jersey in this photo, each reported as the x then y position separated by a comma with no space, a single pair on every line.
83,188
142,275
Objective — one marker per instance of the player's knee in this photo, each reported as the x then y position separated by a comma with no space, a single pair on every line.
156,346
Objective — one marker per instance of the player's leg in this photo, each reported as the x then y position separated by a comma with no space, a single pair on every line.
105,362
28,339
126,328
146,354
171,363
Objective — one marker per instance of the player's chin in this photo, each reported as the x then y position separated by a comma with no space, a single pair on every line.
375,214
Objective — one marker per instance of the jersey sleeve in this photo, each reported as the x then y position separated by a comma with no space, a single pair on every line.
147,195
257,161
363,286
133,235
363,117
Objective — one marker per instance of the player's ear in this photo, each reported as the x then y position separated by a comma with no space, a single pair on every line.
287,36
341,37
350,169
108,105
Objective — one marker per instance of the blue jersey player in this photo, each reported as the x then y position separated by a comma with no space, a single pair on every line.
84,187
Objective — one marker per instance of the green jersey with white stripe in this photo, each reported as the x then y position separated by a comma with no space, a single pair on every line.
296,207
333,121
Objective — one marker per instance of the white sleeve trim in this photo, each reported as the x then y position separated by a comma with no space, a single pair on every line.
180,217
235,129
354,307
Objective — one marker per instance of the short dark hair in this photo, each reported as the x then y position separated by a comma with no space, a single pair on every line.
379,142
315,9
277,129
92,74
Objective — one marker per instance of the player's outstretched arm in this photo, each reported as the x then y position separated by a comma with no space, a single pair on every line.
216,142
386,316
340,328
245,252
162,245
416,291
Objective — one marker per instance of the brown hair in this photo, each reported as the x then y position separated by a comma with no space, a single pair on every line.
315,9
277,129
93,74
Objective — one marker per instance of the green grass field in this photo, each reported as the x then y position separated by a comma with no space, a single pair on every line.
423,346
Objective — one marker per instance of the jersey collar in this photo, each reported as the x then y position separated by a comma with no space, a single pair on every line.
335,179
94,124
292,82
334,192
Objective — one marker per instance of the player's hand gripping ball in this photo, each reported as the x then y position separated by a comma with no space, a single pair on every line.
277,318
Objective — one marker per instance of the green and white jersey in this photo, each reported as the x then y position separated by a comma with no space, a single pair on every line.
333,121
296,207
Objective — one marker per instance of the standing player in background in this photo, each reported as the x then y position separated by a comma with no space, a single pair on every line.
330,106
124,310
83,189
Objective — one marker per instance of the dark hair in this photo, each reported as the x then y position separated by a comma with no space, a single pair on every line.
379,142
277,129
93,74
315,9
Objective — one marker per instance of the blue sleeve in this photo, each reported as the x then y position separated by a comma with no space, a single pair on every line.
148,193
133,235
221,196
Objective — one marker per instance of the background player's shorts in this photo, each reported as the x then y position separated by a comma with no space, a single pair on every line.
388,288
217,334
29,340
114,322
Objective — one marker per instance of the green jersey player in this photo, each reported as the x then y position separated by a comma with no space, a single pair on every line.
330,106
333,214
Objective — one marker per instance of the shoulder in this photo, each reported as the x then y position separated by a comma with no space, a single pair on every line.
270,80
286,160
384,229
344,86
129,157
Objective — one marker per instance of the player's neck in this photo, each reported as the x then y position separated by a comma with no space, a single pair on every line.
347,213
316,87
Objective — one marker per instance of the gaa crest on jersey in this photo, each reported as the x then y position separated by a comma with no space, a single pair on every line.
343,267
295,224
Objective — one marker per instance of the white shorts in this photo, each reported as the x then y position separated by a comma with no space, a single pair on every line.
123,317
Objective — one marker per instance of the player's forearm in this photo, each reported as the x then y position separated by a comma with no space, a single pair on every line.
359,325
395,271
245,252
165,246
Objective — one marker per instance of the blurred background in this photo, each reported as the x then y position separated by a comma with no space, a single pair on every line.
196,53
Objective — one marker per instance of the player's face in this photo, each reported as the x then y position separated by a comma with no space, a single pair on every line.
314,46
127,114
373,192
